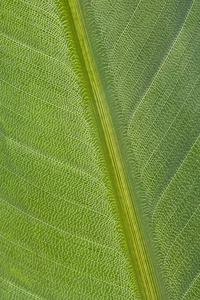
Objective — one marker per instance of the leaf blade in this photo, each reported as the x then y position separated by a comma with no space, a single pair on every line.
60,236
150,62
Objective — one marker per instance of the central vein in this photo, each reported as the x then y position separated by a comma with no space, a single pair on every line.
139,256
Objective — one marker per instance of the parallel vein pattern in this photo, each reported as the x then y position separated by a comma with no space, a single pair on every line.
60,234
60,230
148,54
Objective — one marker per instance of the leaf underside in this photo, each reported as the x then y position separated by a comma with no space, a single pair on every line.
100,149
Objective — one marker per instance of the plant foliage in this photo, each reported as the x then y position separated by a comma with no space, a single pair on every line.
100,149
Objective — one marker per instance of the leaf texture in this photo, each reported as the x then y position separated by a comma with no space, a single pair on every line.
60,235
150,57
70,168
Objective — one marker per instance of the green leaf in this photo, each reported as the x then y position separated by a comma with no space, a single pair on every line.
100,149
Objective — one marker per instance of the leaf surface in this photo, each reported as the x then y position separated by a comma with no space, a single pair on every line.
100,149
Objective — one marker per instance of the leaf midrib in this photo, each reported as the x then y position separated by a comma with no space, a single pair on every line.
138,253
